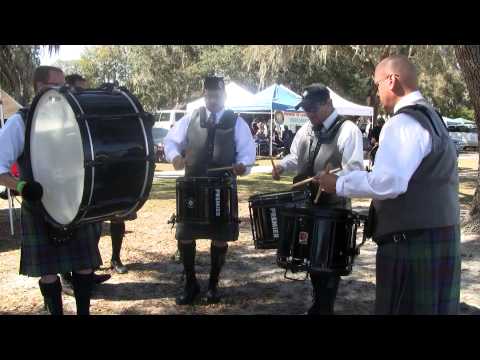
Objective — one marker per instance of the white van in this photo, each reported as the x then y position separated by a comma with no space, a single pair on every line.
464,133
167,118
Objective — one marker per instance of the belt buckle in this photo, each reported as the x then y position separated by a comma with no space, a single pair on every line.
398,237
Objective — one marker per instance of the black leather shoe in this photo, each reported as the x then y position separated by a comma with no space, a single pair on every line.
320,309
213,295
98,279
190,292
118,267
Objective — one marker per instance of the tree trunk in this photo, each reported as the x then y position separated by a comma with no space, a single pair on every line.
468,57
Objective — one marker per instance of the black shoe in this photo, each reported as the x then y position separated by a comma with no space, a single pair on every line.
317,309
213,296
190,292
98,279
118,266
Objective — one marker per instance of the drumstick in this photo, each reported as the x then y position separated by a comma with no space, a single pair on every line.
303,182
319,192
274,167
227,168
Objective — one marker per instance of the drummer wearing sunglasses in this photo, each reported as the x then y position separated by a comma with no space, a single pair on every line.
327,140
40,256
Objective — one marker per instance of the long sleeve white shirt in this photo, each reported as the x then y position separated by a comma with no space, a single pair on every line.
12,141
176,140
403,144
350,145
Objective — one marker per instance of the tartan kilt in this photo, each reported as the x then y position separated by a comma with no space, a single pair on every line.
40,256
420,274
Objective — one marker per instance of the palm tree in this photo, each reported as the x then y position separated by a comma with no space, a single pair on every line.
17,64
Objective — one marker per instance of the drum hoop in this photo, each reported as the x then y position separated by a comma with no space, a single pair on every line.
147,150
65,92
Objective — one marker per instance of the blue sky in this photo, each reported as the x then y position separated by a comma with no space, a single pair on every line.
67,52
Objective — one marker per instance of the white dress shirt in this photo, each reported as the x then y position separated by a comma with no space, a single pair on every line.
350,145
176,140
12,141
403,144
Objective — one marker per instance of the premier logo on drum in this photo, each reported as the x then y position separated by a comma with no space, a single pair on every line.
273,216
217,202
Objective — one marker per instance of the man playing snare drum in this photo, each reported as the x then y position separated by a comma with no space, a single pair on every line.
193,135
326,140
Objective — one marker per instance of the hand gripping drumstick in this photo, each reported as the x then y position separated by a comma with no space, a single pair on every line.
228,168
319,192
274,167
306,181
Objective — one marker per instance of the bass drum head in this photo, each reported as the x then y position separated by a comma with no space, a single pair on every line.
57,156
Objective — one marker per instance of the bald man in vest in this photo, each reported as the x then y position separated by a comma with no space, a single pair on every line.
416,211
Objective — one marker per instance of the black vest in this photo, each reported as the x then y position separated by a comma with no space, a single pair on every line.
209,147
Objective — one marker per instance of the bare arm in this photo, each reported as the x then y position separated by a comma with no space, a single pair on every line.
9,181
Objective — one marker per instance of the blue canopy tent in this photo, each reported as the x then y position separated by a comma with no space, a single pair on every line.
273,98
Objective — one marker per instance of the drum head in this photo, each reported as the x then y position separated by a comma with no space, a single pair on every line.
57,156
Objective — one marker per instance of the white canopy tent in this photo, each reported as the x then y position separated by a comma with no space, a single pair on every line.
345,107
236,96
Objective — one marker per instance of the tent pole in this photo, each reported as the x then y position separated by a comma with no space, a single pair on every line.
10,212
271,132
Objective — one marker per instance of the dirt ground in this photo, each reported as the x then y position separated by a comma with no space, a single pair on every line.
251,281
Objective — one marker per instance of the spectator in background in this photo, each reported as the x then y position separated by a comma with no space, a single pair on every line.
287,138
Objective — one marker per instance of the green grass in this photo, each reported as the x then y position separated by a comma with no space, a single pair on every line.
164,189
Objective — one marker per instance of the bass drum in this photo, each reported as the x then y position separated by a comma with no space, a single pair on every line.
92,152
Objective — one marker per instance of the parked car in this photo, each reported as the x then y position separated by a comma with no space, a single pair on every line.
167,118
465,134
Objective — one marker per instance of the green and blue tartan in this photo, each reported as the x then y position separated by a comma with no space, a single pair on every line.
40,256
420,274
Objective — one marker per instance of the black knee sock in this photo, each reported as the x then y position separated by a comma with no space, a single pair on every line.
117,231
187,254
82,287
52,293
325,287
217,259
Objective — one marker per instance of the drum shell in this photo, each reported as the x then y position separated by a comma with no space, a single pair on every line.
265,217
206,208
117,144
317,239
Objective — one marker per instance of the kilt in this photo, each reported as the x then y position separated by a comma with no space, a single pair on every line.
420,274
40,256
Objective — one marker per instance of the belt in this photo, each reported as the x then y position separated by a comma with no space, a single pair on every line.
395,237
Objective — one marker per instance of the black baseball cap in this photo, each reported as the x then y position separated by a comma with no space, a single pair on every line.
313,94
214,83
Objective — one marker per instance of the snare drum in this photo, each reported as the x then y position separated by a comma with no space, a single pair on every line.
207,208
317,240
92,152
264,215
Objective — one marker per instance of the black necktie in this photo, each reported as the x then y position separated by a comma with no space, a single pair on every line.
211,120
